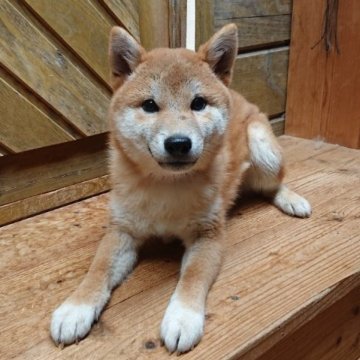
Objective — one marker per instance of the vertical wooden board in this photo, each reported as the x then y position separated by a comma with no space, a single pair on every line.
151,13
306,86
259,22
177,23
321,101
261,77
82,28
341,124
204,10
42,67
23,126
126,12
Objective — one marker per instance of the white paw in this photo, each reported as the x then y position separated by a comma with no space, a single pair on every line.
181,328
71,323
291,203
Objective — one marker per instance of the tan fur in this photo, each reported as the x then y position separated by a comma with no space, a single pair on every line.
233,148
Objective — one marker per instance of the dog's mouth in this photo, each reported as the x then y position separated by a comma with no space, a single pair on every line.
181,164
177,165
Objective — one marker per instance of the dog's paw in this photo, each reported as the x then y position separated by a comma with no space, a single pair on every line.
291,203
182,328
71,322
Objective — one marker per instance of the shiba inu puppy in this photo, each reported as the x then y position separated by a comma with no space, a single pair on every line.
182,147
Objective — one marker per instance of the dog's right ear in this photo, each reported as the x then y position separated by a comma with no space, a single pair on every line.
125,55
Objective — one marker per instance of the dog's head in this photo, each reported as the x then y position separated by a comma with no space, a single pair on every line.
170,107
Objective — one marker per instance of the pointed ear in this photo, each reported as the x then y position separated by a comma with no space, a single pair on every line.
125,55
220,52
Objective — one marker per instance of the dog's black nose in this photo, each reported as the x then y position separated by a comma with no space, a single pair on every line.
177,145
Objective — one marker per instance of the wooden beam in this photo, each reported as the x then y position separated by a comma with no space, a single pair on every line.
177,23
322,85
204,23
58,79
261,77
46,169
79,25
31,206
260,22
126,13
154,23
23,125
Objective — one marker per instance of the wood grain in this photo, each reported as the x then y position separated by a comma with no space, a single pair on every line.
42,170
79,25
335,333
267,290
55,78
259,22
177,23
204,22
261,77
278,125
30,206
24,126
321,101
150,13
126,13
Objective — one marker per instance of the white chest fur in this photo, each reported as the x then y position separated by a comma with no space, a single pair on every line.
170,209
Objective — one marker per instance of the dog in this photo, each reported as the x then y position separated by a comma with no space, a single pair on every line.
182,147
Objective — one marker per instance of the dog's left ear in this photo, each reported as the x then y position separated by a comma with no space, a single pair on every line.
220,52
124,54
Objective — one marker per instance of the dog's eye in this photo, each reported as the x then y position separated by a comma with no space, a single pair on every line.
198,104
150,106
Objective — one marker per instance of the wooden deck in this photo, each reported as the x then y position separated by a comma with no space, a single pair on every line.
289,288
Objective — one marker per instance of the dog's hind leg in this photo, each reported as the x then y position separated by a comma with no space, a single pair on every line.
114,259
266,172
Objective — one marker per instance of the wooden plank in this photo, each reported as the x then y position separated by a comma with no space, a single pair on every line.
177,23
42,170
127,14
334,334
151,13
278,125
259,22
40,65
261,77
34,205
253,305
327,108
79,25
23,126
204,12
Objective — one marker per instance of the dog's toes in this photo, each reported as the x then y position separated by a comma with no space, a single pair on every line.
70,323
291,203
182,328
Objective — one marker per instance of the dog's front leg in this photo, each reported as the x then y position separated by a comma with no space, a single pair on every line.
114,259
183,323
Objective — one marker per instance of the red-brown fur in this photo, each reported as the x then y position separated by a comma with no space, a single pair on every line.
234,149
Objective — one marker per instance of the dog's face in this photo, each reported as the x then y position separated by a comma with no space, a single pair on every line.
171,106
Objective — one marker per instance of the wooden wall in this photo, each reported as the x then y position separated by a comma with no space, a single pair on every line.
324,86
262,62
54,94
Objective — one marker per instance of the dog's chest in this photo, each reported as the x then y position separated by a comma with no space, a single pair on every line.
162,210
